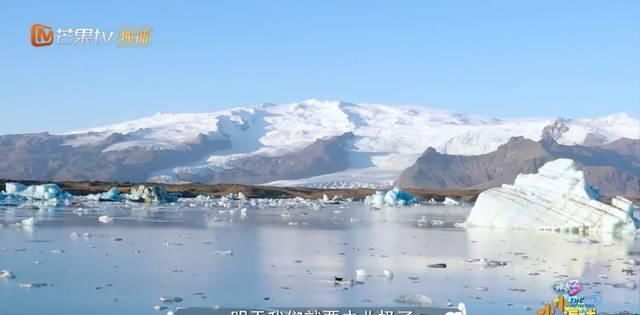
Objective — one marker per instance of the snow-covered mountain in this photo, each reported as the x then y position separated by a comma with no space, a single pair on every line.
386,139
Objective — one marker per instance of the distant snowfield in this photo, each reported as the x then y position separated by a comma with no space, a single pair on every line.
387,138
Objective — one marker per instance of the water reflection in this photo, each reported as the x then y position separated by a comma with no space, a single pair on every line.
170,250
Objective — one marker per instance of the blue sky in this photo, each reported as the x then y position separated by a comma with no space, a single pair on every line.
499,58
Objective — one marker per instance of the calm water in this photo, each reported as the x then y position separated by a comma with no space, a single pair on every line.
287,257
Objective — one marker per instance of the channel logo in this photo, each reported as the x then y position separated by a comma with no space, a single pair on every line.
129,36
41,35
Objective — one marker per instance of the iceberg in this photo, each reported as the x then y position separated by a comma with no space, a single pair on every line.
450,202
376,200
113,194
151,194
45,192
558,197
392,198
29,222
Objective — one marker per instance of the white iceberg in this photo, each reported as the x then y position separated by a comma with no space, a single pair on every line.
29,222
105,219
151,194
558,197
6,274
450,202
376,200
392,198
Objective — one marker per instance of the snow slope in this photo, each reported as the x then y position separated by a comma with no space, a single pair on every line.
387,138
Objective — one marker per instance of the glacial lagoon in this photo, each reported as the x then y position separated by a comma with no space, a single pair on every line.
288,255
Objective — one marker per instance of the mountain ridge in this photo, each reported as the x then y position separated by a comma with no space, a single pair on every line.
613,168
174,147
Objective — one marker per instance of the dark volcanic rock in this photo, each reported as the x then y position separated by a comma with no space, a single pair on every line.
614,168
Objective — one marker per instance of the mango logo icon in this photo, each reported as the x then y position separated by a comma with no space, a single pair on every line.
41,35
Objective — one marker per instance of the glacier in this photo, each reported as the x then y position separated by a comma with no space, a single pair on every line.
558,197
388,138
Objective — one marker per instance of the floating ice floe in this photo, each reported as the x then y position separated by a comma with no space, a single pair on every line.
484,262
342,281
35,285
113,194
29,222
558,197
6,274
170,299
462,310
387,274
450,202
151,194
361,274
223,253
105,219
391,198
336,199
417,299
50,193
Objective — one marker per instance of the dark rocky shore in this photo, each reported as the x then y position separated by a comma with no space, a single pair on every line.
251,191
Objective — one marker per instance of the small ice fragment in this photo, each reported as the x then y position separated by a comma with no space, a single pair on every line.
450,202
57,251
29,222
462,310
105,219
6,274
631,285
484,262
417,299
387,274
361,274
74,235
34,285
223,253
342,281
170,299
482,289
159,307
518,290
438,265
582,241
